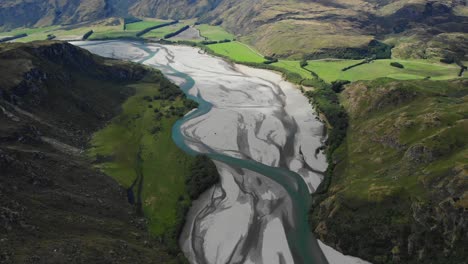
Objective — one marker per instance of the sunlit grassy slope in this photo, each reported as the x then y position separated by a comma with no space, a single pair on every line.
138,26
403,165
215,33
138,141
237,52
400,116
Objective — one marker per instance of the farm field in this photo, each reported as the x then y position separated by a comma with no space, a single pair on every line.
237,52
215,33
331,70
161,32
328,70
138,26
293,66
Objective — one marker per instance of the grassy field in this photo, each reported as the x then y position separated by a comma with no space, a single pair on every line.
215,33
331,70
33,33
293,66
237,52
161,32
138,26
135,133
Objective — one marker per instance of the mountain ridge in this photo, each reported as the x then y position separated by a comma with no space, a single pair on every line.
319,26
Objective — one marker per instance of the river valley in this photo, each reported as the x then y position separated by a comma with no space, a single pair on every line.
264,138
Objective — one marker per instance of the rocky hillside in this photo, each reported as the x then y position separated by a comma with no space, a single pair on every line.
399,190
54,207
313,28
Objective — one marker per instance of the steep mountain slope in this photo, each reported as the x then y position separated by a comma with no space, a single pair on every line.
34,13
398,193
54,207
316,28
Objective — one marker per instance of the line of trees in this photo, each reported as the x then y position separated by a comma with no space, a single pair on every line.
146,30
173,34
210,42
130,20
87,34
367,60
5,39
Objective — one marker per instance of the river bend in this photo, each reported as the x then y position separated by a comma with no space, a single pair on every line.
264,138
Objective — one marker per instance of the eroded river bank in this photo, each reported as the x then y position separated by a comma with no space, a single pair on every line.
263,136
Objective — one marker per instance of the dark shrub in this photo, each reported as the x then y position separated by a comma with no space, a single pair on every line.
173,34
87,35
448,60
337,86
203,175
397,65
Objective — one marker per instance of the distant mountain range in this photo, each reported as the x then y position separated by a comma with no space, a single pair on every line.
287,28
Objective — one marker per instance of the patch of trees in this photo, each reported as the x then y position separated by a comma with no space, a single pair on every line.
338,85
169,91
130,20
397,65
270,60
5,39
374,48
146,30
190,104
87,34
448,60
203,175
209,42
173,34
379,50
326,102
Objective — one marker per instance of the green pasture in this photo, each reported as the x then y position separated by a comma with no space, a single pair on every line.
215,33
136,142
237,52
331,70
141,25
